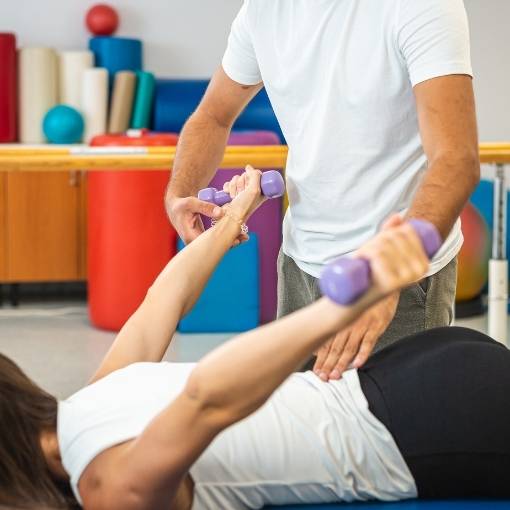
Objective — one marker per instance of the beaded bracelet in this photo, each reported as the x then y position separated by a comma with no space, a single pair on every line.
244,227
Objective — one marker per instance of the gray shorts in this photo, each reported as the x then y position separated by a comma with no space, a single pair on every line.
424,305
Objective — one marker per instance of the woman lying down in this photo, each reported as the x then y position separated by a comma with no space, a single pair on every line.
427,417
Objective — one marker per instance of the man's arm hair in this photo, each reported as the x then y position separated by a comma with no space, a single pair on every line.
447,118
204,136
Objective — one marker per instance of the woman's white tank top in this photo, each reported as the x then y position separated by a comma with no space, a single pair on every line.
312,442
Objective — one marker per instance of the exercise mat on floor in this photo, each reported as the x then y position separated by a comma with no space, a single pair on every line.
405,505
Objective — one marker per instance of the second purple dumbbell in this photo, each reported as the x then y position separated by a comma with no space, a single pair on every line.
344,280
271,184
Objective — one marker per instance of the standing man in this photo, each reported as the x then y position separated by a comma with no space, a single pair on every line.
376,102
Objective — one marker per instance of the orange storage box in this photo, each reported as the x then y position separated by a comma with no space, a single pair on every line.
130,238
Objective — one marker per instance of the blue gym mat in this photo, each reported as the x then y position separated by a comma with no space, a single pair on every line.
405,505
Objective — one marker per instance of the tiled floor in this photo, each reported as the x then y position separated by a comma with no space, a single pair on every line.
59,349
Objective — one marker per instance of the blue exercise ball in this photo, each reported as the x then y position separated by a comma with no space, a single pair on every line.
63,124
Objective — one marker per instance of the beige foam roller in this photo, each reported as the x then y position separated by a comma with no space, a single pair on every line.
38,91
94,102
71,65
122,101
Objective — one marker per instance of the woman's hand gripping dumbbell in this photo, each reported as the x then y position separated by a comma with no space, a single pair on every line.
239,193
271,184
394,258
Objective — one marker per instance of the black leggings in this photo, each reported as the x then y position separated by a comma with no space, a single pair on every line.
444,394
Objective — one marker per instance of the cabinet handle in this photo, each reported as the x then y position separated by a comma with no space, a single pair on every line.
73,179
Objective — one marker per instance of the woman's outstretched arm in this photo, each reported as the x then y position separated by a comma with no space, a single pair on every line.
238,377
147,334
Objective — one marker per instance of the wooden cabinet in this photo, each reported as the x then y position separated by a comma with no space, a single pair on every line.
43,238
3,227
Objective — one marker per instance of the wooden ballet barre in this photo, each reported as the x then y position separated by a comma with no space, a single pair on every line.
495,153
44,158
68,158
490,146
495,157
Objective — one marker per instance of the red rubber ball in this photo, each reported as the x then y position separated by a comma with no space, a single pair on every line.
102,20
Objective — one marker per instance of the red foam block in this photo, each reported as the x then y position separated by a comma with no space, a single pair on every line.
8,95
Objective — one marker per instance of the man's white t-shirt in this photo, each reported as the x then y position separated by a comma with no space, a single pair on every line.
340,76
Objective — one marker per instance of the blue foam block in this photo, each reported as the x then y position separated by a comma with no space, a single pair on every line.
117,54
176,100
405,505
230,301
483,200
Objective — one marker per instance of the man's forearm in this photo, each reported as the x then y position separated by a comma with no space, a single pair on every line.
447,118
199,153
445,189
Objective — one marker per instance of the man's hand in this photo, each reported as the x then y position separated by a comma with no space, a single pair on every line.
184,213
200,150
354,345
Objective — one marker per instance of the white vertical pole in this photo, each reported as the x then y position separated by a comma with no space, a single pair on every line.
498,265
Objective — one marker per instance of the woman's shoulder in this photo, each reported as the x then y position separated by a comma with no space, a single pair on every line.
139,375
114,410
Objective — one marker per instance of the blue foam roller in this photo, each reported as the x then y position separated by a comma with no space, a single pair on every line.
483,199
230,301
405,505
176,100
117,54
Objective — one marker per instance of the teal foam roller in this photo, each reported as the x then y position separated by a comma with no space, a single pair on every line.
144,98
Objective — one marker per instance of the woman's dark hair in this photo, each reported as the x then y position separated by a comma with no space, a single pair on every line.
25,412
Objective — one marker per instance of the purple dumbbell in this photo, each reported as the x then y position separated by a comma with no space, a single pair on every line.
271,184
346,279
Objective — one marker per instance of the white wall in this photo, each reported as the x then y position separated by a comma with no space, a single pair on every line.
186,38
183,38
490,43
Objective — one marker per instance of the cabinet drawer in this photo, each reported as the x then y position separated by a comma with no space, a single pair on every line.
44,219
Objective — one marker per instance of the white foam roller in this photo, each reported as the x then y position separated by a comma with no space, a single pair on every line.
71,66
94,102
38,91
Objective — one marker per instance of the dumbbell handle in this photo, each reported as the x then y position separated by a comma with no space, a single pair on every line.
346,279
271,184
